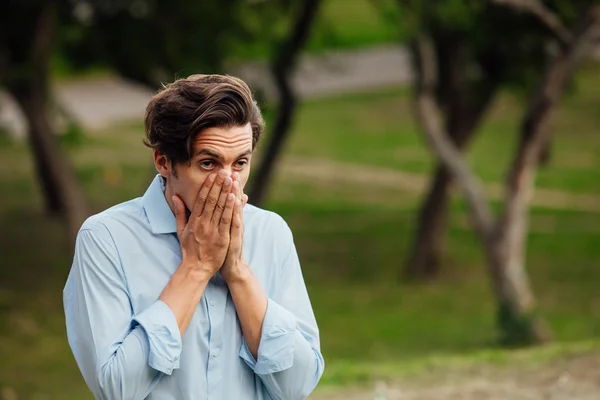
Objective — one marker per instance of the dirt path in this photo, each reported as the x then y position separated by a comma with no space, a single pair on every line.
330,171
99,101
576,378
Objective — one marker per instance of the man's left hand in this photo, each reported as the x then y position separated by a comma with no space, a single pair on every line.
235,267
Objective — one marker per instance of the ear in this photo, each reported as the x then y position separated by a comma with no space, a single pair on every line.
163,164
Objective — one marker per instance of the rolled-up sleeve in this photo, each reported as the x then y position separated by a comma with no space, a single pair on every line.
276,349
120,355
289,361
162,332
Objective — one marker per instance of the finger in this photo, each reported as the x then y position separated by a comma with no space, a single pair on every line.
225,221
236,189
220,206
180,217
236,222
213,195
236,178
241,193
244,200
202,195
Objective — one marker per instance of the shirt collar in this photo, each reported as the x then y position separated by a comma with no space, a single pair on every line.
160,216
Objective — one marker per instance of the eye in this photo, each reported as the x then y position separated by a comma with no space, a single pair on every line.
241,164
207,164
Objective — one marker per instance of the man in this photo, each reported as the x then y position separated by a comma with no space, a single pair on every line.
188,292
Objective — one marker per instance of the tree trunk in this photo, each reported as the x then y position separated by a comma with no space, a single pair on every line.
423,262
427,115
503,239
518,318
264,175
517,315
30,57
464,110
282,69
545,153
56,176
504,253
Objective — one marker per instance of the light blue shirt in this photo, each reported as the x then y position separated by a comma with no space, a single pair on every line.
127,343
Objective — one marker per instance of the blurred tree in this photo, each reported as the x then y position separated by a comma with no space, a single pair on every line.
149,41
152,41
27,33
283,62
476,56
503,237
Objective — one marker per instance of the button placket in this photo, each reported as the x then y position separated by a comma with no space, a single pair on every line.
218,304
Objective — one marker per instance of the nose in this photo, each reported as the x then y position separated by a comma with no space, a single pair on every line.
234,175
228,171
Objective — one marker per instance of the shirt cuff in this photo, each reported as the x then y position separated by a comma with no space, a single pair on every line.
276,347
164,338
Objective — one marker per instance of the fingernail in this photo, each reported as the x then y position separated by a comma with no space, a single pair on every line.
227,181
212,177
223,173
236,184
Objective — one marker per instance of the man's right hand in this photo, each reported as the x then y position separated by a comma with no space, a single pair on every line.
204,236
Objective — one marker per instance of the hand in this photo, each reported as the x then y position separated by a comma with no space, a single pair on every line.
235,266
241,195
205,236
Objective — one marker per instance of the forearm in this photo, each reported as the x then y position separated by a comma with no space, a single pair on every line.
126,374
251,305
125,367
301,378
183,293
289,362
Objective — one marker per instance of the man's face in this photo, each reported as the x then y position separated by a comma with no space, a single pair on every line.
214,149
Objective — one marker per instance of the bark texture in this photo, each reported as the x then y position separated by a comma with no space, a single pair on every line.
463,109
504,238
27,60
281,69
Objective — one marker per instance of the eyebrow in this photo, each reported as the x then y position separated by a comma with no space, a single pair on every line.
218,156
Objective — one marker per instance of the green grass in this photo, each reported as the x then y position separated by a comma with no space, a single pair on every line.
428,369
352,240
340,24
351,24
378,129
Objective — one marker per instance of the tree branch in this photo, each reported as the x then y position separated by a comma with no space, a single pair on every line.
535,126
543,14
438,139
557,76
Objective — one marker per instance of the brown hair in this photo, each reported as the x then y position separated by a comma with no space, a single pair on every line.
184,108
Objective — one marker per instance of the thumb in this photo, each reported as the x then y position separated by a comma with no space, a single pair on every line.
179,214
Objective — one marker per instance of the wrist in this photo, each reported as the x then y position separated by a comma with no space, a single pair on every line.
196,272
238,273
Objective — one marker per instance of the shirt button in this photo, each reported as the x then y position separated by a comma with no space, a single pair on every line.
215,354
212,303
